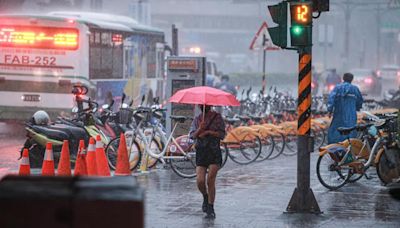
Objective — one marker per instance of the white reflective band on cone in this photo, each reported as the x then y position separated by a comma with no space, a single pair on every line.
99,144
48,156
25,161
83,151
91,148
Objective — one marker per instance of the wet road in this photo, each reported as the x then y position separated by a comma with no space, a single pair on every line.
247,196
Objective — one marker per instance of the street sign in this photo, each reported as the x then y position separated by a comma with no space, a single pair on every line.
262,39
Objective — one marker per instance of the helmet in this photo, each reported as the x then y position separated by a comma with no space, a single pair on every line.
41,118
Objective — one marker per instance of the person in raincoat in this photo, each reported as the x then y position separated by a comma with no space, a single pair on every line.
344,102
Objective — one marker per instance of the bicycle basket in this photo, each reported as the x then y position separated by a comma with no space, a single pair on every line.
125,115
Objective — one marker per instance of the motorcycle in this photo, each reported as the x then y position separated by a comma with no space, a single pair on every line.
391,99
40,131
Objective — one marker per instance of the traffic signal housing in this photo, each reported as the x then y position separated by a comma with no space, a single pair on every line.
320,5
279,16
301,24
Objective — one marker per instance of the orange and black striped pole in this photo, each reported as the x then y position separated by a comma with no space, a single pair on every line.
304,99
303,199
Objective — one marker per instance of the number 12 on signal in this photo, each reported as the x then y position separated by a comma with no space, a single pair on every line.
301,13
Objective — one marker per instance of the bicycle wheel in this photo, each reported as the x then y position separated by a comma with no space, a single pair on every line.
155,148
224,151
134,153
279,146
185,166
329,174
268,145
246,151
354,177
388,167
291,145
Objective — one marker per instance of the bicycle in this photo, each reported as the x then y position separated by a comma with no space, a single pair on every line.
348,161
243,144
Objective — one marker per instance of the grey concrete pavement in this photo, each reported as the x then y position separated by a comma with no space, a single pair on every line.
247,196
257,195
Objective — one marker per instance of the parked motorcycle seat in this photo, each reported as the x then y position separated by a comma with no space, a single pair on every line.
50,133
73,132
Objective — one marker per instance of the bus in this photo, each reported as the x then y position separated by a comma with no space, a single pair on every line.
43,56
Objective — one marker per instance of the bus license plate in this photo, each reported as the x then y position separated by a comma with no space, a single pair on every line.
31,97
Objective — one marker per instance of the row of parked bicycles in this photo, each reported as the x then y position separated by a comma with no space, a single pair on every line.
250,138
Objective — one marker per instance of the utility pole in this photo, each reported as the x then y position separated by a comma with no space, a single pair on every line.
96,5
378,38
175,49
347,17
264,83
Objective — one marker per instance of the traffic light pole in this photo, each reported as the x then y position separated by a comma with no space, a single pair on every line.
303,199
300,28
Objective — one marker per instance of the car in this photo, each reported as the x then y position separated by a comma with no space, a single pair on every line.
367,81
390,74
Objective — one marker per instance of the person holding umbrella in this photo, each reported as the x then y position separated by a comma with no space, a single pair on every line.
208,129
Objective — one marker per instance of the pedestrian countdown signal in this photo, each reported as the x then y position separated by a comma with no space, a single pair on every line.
301,24
301,14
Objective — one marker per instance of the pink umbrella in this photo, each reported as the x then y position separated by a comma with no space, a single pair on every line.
204,95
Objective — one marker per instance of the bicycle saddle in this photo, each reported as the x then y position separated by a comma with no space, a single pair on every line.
232,121
346,130
157,115
181,119
244,118
256,118
362,127
278,115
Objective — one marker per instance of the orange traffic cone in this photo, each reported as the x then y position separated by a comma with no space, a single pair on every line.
48,161
24,167
101,159
91,158
64,165
122,158
80,164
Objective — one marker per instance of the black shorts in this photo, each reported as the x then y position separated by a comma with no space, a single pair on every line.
208,154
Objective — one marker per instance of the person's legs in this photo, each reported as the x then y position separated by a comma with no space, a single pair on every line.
211,177
201,179
201,185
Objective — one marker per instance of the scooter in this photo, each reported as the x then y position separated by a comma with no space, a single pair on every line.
392,99
73,130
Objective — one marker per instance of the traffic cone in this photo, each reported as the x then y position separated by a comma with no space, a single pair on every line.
101,160
24,167
48,161
80,164
91,158
122,168
64,165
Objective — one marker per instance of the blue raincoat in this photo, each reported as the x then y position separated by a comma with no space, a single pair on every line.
344,102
